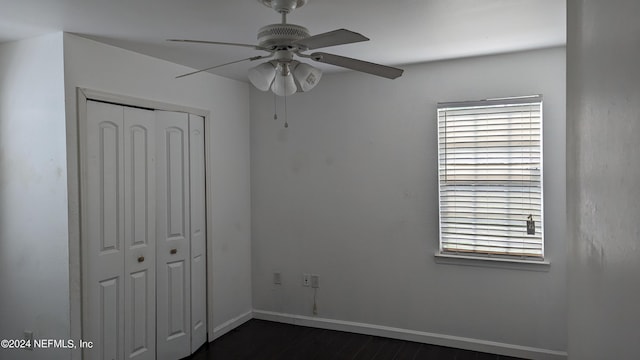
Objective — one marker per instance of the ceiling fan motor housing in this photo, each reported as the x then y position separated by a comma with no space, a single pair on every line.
280,36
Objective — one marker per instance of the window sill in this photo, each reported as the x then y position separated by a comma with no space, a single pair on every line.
501,263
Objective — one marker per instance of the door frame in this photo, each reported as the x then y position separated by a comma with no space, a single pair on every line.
77,205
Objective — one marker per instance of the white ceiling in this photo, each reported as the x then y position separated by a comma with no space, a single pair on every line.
401,31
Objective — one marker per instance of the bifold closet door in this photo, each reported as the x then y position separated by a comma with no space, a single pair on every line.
140,234
198,233
144,248
118,251
174,235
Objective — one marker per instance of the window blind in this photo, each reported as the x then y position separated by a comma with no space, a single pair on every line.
490,177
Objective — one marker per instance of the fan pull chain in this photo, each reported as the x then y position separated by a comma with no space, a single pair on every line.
286,123
275,107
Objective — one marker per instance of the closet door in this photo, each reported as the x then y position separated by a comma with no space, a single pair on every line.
198,234
173,236
144,246
104,245
119,251
140,234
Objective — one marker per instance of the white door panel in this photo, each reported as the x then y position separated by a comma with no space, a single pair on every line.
103,252
108,320
140,239
198,233
173,235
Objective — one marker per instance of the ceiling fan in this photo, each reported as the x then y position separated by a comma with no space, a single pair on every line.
283,42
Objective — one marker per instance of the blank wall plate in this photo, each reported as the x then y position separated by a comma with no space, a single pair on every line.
277,278
315,281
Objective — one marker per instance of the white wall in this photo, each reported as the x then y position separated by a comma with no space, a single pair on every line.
34,288
603,173
349,192
89,64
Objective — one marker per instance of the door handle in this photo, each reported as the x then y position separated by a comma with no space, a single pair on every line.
173,251
140,259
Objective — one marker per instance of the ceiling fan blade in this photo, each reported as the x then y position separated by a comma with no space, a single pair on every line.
256,47
331,38
358,65
221,65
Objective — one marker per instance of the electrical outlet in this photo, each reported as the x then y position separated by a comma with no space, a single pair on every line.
28,337
306,279
277,278
315,281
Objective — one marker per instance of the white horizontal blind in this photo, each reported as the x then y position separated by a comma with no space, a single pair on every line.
490,177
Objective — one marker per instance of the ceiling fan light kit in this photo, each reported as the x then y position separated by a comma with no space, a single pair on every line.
283,6
262,76
284,84
307,76
283,74
284,78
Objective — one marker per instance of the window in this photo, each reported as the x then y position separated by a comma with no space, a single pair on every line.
490,178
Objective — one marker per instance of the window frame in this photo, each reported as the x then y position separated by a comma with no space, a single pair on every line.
480,258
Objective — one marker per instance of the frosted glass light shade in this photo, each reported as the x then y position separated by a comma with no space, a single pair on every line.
307,76
284,85
262,76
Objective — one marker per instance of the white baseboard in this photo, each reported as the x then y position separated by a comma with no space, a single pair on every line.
230,325
417,336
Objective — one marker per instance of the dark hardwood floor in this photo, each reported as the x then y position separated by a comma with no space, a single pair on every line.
259,339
